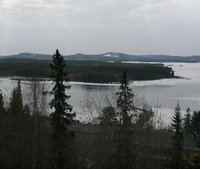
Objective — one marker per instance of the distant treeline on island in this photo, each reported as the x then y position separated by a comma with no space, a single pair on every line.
86,71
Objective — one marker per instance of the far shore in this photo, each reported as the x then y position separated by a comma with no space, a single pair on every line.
49,80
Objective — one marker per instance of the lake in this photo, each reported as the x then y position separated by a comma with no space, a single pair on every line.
163,94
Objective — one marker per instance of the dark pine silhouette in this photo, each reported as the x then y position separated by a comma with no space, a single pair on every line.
61,116
176,161
125,154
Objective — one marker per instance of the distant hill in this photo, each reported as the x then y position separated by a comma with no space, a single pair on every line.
110,56
28,56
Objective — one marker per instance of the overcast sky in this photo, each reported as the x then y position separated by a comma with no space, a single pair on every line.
99,26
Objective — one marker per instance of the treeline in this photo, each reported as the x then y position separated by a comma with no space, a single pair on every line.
182,129
24,133
26,137
123,136
86,71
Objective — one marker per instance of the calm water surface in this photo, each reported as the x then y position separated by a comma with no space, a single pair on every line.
160,93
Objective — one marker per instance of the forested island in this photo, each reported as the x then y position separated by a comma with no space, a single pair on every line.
86,71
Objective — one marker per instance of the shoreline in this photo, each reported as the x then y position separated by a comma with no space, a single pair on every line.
157,82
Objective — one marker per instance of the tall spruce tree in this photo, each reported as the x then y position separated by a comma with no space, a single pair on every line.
2,130
177,140
2,108
61,116
19,142
187,122
196,132
16,104
195,124
124,101
124,155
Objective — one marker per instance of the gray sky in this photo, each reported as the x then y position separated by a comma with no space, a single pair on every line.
98,26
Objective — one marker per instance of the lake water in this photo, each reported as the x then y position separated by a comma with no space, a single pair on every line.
161,94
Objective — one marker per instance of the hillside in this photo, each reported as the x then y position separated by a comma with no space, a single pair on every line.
111,56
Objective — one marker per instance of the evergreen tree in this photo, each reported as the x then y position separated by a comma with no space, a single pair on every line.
124,101
16,104
125,153
196,132
108,117
196,123
2,129
177,140
187,122
61,116
2,113
19,141
2,109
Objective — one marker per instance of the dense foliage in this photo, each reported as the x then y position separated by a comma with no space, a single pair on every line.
17,136
86,71
177,140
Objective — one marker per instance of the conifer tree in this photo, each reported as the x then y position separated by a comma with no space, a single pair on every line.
108,117
16,103
19,143
177,140
2,129
187,122
2,108
196,123
2,113
196,132
61,116
124,155
124,101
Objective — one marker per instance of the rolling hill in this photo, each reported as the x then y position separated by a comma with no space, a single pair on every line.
110,56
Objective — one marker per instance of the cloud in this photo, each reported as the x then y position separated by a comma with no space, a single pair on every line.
149,22
101,12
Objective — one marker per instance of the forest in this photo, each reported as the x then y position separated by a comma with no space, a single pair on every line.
125,135
85,71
